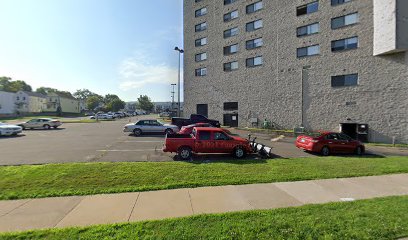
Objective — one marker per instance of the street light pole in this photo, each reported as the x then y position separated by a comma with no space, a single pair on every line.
172,96
180,51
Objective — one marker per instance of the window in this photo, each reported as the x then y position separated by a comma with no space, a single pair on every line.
231,66
338,2
252,26
308,51
344,80
344,44
201,27
230,106
198,1
254,7
231,32
204,135
231,49
18,98
308,29
307,9
200,57
226,2
201,42
220,136
201,72
230,16
344,21
201,12
253,62
254,43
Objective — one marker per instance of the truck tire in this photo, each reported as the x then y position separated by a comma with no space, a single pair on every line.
184,153
239,152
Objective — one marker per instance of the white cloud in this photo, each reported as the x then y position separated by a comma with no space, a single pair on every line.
136,72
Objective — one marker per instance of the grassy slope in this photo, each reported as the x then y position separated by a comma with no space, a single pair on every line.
384,218
91,178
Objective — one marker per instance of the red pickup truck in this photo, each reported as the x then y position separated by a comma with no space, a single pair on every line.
206,140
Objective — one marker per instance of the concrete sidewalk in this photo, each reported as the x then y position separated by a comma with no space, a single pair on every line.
61,212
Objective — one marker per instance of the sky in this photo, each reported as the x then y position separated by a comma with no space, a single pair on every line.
123,47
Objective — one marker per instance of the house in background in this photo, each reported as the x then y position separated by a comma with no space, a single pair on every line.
57,103
29,102
7,103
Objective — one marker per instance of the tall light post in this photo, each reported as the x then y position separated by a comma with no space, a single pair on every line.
172,96
180,51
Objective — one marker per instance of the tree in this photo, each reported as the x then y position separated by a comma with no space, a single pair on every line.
115,105
8,85
110,97
83,94
145,103
93,102
47,90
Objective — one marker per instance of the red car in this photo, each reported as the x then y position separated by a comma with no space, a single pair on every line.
188,129
330,142
206,140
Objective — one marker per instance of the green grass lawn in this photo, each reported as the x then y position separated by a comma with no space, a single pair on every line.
398,145
18,182
383,218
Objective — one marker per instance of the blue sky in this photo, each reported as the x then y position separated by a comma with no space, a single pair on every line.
124,47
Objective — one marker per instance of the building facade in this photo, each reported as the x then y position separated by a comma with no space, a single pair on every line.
324,65
62,104
7,103
29,102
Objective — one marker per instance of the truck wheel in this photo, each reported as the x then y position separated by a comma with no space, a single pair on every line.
239,152
184,153
137,132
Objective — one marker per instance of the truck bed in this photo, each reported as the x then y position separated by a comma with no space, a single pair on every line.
178,135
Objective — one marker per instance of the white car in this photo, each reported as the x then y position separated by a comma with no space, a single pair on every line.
102,116
9,130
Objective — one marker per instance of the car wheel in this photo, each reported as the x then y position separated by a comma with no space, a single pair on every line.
184,153
46,126
55,127
168,131
359,150
325,151
137,132
239,152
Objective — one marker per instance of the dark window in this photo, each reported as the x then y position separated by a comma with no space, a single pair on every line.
332,136
307,9
201,27
254,43
205,135
254,7
230,106
344,80
228,67
201,12
344,137
228,50
201,42
198,1
198,117
141,123
252,26
308,51
200,57
344,44
344,20
201,72
226,2
230,16
220,136
308,29
338,2
253,62
230,32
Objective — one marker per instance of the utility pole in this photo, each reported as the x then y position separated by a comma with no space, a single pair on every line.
180,51
172,96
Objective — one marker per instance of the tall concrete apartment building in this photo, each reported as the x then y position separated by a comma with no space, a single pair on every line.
325,65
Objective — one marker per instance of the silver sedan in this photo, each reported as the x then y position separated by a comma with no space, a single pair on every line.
43,123
150,126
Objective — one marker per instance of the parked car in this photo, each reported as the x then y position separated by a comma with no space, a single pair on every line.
164,114
330,142
9,130
117,115
102,116
189,129
44,123
194,118
206,140
150,126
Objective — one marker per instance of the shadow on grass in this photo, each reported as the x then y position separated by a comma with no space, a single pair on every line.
348,155
225,158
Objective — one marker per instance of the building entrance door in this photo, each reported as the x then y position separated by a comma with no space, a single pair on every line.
231,120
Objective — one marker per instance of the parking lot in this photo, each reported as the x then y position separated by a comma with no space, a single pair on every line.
106,142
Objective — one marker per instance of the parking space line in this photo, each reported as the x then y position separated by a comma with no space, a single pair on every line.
136,150
144,141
